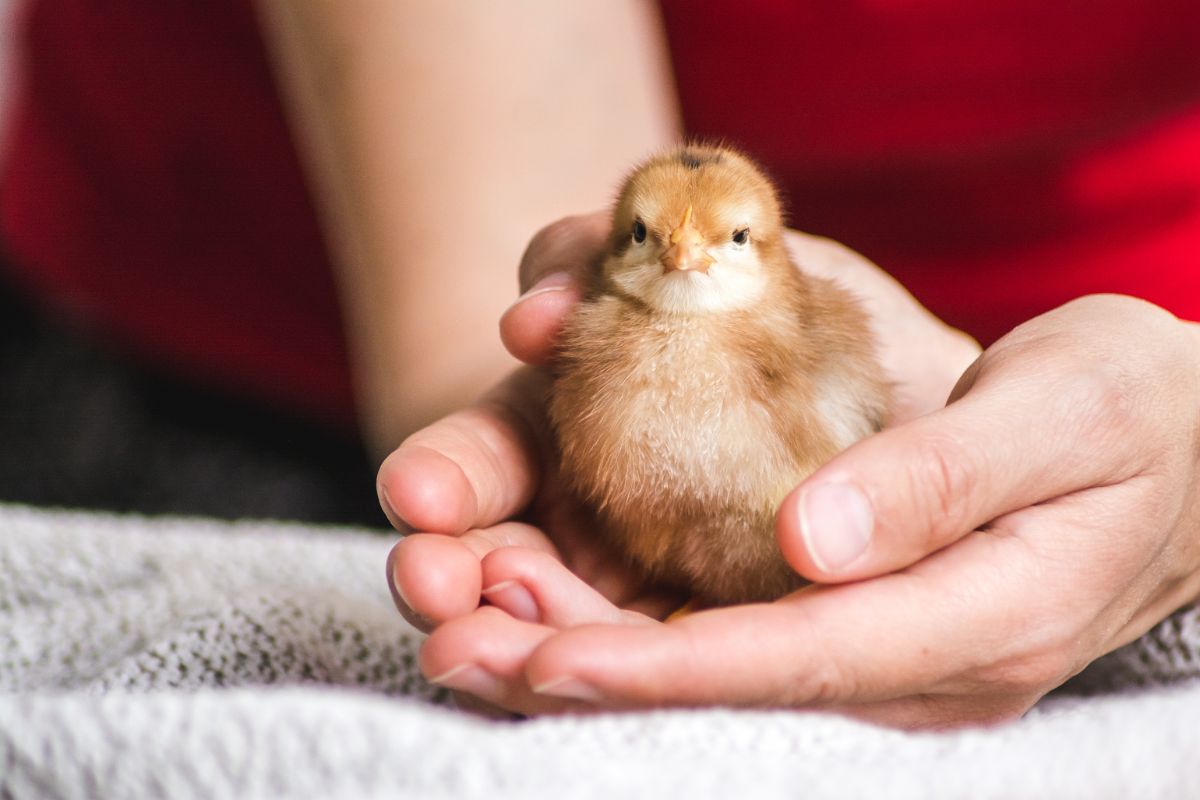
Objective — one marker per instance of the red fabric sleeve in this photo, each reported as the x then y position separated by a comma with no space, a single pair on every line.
151,190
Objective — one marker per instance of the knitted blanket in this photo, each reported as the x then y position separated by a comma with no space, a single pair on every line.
186,658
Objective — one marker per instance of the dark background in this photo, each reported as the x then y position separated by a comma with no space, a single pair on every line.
82,426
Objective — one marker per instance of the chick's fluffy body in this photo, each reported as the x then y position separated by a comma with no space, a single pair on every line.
688,404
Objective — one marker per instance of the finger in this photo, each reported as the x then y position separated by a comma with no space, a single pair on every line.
530,327
568,245
1013,438
474,467
536,587
483,654
896,636
552,276
435,578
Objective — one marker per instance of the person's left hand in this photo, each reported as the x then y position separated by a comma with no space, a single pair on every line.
1046,516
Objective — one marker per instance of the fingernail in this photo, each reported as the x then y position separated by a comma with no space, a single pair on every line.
836,522
513,597
398,598
402,603
554,282
385,503
569,688
469,678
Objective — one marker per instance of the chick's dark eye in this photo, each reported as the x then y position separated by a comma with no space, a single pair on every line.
639,231
741,236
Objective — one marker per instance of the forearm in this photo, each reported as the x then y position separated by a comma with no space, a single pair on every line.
438,138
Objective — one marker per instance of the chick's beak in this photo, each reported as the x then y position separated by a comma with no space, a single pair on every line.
687,248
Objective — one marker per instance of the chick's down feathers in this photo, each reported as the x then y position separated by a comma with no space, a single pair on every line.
704,376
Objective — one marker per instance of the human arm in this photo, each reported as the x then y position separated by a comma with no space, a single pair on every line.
437,137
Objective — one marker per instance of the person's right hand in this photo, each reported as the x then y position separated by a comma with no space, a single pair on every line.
484,479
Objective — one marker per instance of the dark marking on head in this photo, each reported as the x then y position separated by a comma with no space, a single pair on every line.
693,160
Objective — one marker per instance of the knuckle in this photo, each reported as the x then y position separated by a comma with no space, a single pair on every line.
826,685
1098,394
816,681
1118,398
1098,403
946,476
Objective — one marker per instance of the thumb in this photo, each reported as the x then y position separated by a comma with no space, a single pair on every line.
888,501
552,275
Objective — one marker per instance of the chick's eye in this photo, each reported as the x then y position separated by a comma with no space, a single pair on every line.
741,236
639,231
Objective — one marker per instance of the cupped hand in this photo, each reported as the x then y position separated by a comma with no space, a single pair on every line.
906,648
474,472
1046,516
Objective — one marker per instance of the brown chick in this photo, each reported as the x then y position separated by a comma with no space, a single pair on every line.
704,376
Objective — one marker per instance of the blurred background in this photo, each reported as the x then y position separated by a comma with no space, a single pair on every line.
234,269
88,418
247,246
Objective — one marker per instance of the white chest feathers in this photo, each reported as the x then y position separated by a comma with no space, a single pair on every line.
672,419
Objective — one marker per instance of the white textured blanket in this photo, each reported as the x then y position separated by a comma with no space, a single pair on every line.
183,658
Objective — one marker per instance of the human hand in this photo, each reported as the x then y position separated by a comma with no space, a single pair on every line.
472,471
1048,515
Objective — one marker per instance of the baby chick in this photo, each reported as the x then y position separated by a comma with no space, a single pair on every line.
703,377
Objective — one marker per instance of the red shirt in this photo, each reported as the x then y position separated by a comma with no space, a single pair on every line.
151,190
999,157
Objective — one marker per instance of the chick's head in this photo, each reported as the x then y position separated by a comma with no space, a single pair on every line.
696,230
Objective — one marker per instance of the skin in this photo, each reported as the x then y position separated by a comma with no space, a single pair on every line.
1046,515
400,134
